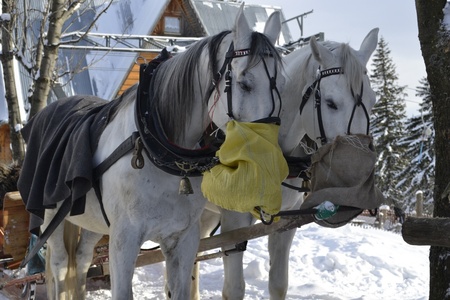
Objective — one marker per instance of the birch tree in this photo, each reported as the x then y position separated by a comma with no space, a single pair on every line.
19,40
8,23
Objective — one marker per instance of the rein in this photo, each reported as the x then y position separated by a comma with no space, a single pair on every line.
318,101
320,213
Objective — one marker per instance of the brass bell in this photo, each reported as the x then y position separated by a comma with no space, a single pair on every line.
185,186
306,186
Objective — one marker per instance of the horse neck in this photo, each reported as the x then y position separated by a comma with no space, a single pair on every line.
291,130
181,98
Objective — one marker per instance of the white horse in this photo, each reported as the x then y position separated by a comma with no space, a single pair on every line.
144,203
337,74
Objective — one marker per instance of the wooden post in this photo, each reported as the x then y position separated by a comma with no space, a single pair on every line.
419,203
427,231
5,144
14,230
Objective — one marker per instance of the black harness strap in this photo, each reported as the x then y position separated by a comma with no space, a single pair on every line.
227,71
273,87
318,103
359,102
125,147
63,211
295,188
306,211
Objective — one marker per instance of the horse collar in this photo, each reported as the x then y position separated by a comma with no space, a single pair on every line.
163,153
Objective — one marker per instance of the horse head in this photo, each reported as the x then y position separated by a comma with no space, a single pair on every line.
336,96
328,97
231,75
248,77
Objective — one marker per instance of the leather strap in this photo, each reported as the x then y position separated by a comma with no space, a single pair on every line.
63,211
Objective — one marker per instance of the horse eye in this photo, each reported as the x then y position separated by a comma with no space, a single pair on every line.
331,104
244,86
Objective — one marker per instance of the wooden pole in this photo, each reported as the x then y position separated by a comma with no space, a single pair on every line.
224,239
233,237
419,203
427,231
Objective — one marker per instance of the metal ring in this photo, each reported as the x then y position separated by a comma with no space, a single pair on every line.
138,58
262,216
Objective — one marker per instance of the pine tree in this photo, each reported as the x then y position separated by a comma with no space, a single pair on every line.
387,124
419,141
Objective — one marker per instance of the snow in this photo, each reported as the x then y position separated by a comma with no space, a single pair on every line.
5,17
350,262
18,127
447,15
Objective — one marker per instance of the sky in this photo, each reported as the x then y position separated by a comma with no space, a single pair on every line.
344,263
350,21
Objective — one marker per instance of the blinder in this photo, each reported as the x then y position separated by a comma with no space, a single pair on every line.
315,86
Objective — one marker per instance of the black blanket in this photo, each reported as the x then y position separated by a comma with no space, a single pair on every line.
61,140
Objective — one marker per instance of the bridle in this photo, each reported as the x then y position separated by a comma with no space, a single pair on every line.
226,70
318,101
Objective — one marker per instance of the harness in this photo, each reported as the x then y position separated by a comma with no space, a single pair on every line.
315,86
151,137
227,71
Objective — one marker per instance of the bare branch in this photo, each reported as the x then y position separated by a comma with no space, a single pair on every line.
90,26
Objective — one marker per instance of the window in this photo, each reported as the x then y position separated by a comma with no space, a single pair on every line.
172,25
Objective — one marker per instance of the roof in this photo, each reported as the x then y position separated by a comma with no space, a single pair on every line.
215,16
132,17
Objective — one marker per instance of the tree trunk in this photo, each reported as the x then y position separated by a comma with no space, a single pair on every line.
60,11
7,59
47,67
435,45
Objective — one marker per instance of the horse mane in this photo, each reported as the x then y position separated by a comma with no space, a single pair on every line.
128,96
178,80
352,68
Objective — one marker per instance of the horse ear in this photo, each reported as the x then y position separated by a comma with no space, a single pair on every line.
241,30
273,26
368,45
323,55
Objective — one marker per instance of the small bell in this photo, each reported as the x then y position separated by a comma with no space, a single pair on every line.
185,186
306,186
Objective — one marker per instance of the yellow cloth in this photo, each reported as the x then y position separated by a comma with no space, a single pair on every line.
251,169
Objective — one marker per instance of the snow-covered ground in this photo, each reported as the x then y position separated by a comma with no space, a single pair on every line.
344,263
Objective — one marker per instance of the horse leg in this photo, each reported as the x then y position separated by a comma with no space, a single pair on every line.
124,247
57,260
234,283
279,248
208,221
180,256
84,252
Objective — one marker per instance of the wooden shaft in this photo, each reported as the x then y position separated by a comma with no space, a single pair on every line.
231,238
427,231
